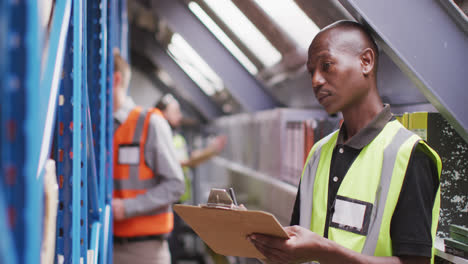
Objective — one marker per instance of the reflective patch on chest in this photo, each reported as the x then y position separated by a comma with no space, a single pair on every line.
129,154
351,215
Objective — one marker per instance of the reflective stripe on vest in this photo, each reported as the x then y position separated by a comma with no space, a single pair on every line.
307,183
388,156
131,180
180,146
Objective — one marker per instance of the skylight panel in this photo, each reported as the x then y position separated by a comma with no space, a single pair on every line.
292,19
246,31
198,70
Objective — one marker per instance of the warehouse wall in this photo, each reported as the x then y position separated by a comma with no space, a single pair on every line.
142,90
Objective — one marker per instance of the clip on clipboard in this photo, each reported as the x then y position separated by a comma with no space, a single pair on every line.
224,226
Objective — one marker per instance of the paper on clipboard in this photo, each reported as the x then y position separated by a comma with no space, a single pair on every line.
225,230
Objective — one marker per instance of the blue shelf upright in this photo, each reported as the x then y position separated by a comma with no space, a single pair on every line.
84,230
20,193
12,149
112,36
64,154
99,100
123,29
71,145
84,134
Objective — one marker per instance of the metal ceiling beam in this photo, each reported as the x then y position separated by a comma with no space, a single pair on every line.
322,12
145,42
241,84
425,42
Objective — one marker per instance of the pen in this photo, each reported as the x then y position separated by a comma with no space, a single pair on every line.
233,196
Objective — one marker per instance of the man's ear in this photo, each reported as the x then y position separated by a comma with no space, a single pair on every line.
367,61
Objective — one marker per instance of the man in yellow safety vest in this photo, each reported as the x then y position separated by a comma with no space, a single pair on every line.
369,192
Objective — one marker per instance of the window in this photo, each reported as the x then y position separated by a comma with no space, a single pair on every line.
292,19
225,40
189,60
246,31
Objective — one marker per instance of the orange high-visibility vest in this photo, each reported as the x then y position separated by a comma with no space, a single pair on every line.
133,177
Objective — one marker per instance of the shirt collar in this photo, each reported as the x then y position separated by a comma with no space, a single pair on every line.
122,113
368,133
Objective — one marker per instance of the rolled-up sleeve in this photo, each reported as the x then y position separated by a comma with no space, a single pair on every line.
160,156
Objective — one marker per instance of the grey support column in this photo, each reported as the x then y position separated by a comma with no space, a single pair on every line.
427,45
242,85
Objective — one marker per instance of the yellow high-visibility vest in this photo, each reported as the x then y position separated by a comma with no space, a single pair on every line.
180,145
368,194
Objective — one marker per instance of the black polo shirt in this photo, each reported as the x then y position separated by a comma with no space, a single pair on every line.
410,228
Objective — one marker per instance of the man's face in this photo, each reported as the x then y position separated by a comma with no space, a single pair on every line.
336,72
173,114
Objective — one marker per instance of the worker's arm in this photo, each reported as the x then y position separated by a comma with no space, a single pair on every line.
160,157
199,156
304,245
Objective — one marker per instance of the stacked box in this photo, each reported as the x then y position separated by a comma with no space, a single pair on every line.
403,118
457,243
269,141
292,143
459,233
293,161
221,125
274,142
309,137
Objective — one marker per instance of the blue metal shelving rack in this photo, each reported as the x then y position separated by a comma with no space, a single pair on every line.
19,188
68,117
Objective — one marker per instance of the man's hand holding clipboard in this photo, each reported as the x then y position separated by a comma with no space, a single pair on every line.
225,227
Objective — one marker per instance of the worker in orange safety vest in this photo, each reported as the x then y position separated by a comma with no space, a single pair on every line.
148,178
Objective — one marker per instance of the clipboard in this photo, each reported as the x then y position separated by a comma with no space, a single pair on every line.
224,227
